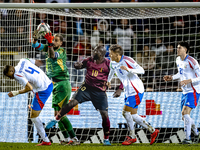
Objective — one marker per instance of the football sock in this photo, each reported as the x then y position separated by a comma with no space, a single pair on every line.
40,129
130,122
63,129
187,126
139,120
106,127
67,124
67,139
194,128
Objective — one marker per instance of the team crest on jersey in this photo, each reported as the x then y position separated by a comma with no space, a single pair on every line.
185,66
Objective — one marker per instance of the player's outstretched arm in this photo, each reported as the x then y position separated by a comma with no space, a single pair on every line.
49,37
35,44
78,65
27,88
167,78
39,62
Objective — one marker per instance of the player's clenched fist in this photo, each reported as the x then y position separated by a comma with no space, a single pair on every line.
109,84
78,65
167,78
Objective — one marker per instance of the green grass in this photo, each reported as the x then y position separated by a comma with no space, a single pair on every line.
156,146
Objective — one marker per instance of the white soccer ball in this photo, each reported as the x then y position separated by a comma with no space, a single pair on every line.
43,28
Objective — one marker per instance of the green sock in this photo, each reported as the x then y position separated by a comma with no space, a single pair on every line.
63,129
67,124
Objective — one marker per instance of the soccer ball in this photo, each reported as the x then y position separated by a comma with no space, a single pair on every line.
43,28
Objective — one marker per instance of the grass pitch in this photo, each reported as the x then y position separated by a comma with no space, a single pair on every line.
156,146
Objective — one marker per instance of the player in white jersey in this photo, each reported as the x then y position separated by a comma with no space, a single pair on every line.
189,75
33,79
126,70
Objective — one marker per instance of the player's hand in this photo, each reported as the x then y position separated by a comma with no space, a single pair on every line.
167,78
10,94
36,35
185,82
124,68
58,116
117,93
78,65
109,85
49,37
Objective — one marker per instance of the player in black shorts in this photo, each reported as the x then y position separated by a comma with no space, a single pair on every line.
94,88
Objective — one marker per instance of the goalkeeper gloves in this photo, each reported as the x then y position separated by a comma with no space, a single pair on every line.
49,38
36,35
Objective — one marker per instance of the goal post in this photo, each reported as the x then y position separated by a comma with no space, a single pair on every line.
148,32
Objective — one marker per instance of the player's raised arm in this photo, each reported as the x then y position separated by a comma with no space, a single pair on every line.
35,44
196,68
133,67
49,37
82,64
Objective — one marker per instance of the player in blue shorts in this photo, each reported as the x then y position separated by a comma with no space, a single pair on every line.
189,75
126,70
33,79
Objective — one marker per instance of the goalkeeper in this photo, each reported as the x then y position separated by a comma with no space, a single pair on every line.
57,71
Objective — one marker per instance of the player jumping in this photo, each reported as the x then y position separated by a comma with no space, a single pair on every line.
33,79
57,71
126,70
94,88
189,75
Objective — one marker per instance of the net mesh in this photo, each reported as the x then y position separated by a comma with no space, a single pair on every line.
148,35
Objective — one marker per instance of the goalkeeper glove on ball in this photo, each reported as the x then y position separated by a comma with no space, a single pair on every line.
49,38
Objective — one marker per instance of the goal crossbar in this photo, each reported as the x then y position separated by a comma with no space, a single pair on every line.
100,5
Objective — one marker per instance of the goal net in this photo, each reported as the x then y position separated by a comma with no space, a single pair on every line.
147,32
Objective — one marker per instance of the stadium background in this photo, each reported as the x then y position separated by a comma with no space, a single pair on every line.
151,42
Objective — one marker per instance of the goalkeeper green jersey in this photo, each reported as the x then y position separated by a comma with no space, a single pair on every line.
56,67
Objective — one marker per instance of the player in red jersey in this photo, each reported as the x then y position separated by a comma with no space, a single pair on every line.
94,88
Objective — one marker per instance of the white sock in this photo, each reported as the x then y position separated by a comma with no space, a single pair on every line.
142,122
40,129
187,126
75,139
130,122
67,139
194,128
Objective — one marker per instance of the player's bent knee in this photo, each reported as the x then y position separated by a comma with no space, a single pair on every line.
125,113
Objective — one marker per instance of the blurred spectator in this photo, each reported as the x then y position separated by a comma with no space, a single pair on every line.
124,36
159,47
80,26
105,43
146,59
178,25
41,18
167,63
81,49
63,26
102,31
3,40
17,1
55,26
195,23
3,11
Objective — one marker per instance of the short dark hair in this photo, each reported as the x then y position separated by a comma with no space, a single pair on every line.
102,48
6,69
117,49
185,44
60,36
